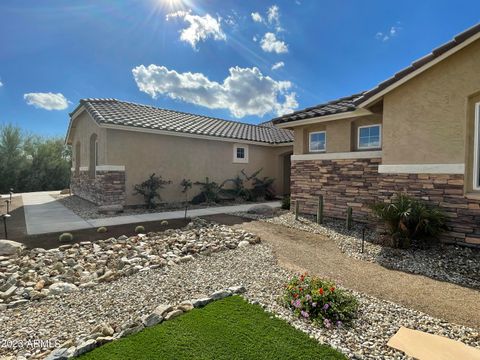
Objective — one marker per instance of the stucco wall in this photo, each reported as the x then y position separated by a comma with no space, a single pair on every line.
175,158
341,134
424,120
83,127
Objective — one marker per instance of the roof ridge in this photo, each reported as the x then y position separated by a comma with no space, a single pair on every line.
164,109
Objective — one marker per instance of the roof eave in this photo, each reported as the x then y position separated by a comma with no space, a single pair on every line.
320,119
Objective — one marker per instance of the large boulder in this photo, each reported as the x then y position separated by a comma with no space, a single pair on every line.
9,247
261,210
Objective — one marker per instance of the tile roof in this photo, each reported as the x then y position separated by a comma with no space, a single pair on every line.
337,106
122,113
457,40
350,103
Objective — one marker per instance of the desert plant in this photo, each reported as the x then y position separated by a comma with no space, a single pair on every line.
150,189
286,202
320,301
102,229
65,237
164,223
263,188
139,229
209,193
239,190
407,219
186,185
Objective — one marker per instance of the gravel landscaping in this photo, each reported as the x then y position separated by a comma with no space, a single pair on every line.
455,264
87,210
71,317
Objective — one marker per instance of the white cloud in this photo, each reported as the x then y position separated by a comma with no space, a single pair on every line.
47,101
1,84
273,15
245,91
278,65
270,43
257,17
200,27
391,33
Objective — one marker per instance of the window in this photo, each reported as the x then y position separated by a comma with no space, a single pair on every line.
370,137
318,141
476,149
240,153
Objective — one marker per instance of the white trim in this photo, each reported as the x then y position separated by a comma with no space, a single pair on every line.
240,160
310,141
476,167
422,169
339,156
427,66
319,119
188,135
379,138
110,168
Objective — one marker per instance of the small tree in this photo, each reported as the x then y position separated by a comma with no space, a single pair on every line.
186,185
150,190
210,192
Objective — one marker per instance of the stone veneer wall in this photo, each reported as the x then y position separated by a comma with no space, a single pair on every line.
107,188
357,183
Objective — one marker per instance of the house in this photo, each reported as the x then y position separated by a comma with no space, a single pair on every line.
117,144
417,132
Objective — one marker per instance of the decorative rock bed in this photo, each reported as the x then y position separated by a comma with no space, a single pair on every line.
104,333
455,264
38,273
70,319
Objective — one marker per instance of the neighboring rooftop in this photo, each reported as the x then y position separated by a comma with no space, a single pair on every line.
337,106
350,103
122,113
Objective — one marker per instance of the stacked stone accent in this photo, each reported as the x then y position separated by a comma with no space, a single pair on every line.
107,188
357,183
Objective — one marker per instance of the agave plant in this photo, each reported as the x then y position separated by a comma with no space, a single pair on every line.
407,218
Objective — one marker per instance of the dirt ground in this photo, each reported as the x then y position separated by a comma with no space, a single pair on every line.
304,252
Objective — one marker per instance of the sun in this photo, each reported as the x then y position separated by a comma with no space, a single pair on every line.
172,5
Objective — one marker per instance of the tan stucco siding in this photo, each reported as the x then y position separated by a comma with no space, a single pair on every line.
424,120
83,128
176,158
341,135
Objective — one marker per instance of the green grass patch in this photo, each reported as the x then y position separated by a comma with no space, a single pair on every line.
227,329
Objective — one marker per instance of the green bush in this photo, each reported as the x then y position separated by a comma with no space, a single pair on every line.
139,229
320,301
209,193
150,190
65,237
407,219
286,202
102,229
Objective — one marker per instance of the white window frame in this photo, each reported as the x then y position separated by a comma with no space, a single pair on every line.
240,160
476,158
310,141
379,137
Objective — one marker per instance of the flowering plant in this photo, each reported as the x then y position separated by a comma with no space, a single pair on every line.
320,301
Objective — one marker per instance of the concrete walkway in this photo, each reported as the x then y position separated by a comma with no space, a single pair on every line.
43,214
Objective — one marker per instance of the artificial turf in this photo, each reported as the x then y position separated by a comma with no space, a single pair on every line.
226,329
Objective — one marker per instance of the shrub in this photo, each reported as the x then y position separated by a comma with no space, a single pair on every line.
407,219
139,229
65,237
150,189
286,202
263,188
320,301
210,192
102,229
164,223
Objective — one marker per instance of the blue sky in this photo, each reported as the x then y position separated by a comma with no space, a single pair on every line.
243,60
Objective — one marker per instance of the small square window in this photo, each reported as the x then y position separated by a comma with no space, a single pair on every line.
240,153
370,137
318,141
